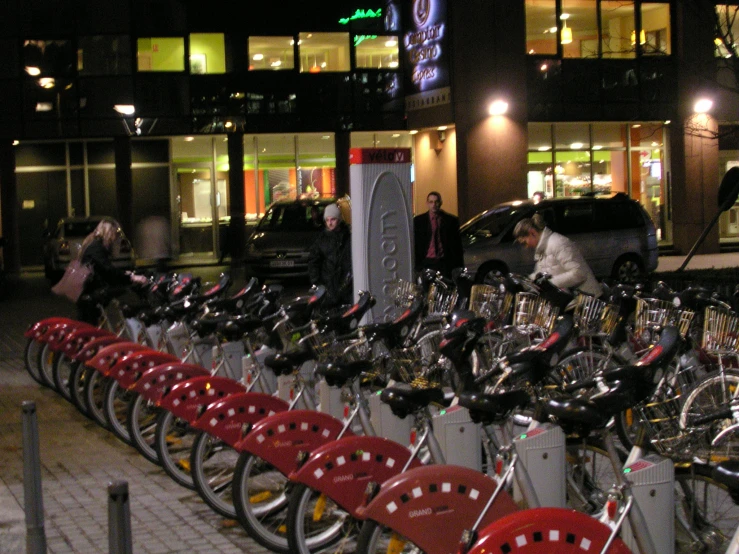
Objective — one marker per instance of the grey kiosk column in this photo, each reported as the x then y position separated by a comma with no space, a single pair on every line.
382,222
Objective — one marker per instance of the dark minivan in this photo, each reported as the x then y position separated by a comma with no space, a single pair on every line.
614,233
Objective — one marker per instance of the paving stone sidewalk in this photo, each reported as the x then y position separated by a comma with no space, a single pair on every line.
79,459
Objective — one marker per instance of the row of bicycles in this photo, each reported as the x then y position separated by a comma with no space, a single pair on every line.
494,417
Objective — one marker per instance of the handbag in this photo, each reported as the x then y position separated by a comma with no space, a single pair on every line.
73,281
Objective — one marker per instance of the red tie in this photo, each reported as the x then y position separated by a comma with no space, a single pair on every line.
435,249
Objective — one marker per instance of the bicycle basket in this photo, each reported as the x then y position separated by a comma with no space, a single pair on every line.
533,311
594,316
441,301
491,303
653,314
720,330
345,351
402,292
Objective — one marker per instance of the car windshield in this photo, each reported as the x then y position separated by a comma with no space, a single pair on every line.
488,224
79,228
292,217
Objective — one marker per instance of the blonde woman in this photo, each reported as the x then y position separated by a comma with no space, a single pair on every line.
557,256
96,252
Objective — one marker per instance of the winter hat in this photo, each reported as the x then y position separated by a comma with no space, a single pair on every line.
332,210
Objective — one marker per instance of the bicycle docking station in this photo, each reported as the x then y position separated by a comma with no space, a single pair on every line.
541,451
459,437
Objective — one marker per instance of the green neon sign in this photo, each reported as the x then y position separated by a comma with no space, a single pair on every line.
361,38
362,14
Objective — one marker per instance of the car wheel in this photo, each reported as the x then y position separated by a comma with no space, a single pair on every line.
628,269
488,271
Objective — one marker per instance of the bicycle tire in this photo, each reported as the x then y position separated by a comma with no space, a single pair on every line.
212,463
173,442
141,420
581,363
377,539
261,496
315,523
115,409
30,358
712,394
45,361
63,368
589,476
706,507
77,380
94,396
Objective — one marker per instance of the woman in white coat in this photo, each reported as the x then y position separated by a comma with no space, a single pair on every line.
557,256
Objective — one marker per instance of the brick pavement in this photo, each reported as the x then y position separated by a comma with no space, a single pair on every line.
79,459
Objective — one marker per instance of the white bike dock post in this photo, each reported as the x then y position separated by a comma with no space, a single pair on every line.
542,452
330,399
386,423
382,223
249,368
459,437
230,353
652,481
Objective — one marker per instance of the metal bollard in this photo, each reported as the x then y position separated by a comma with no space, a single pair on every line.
119,519
32,493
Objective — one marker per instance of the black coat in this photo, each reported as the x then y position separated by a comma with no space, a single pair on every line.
104,273
330,265
451,240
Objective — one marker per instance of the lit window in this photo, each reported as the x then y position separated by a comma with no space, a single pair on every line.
379,52
160,54
321,52
207,53
271,53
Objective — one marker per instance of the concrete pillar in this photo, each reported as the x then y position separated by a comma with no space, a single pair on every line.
124,184
236,231
9,208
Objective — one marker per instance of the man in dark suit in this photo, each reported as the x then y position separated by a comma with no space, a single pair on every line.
438,244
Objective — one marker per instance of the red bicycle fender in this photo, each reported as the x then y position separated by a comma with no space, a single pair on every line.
159,379
128,369
95,345
230,418
36,330
546,531
107,356
433,505
81,336
61,334
188,399
342,469
279,439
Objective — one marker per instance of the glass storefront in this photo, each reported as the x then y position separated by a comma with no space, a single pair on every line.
572,159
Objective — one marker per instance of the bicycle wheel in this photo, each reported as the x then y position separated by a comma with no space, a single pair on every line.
79,376
45,363
712,395
141,420
94,396
317,524
260,496
30,357
173,442
378,539
213,462
579,364
115,408
705,514
63,367
590,475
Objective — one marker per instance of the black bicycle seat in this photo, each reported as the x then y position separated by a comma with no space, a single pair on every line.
493,408
727,473
337,373
284,363
404,399
576,415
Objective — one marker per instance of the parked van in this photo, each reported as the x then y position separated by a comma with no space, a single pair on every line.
614,233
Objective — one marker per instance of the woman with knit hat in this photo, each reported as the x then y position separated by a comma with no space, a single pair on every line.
330,259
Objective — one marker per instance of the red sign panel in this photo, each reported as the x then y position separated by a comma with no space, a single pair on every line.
379,156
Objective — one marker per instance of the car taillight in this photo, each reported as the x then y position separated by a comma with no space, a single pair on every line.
64,247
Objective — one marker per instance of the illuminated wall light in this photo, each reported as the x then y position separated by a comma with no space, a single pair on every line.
16,142
257,57
189,139
667,122
441,128
543,67
544,148
228,124
33,71
276,63
46,82
597,147
44,106
393,64
413,132
576,145
125,109
498,107
551,30
396,135
703,105
391,43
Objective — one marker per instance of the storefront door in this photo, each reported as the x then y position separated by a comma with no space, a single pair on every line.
198,204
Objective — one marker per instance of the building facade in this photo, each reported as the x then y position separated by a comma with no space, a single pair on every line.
190,110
